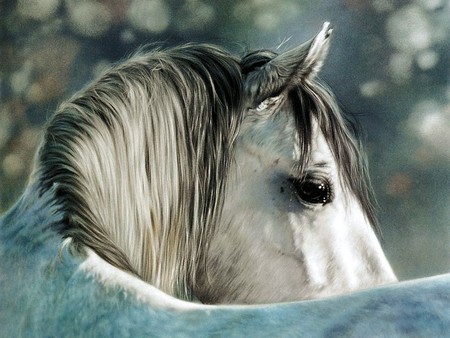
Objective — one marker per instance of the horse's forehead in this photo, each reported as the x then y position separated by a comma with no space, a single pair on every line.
269,135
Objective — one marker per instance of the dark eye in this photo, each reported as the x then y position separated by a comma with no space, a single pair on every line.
314,190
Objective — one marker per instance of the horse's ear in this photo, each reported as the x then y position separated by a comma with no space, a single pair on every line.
289,68
306,60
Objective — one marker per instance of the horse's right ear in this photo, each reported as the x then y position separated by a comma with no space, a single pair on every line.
289,68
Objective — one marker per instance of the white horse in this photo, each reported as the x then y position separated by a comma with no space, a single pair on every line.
189,173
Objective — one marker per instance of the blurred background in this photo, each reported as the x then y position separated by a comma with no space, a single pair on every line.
389,64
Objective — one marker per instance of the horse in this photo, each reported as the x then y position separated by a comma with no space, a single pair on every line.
188,191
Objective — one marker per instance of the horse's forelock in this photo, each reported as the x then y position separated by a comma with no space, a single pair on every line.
311,100
140,160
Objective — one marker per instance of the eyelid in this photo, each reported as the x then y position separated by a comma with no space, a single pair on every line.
321,164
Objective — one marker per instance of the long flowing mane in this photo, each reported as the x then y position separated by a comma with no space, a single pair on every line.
140,159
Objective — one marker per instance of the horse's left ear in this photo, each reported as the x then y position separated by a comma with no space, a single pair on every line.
289,68
306,60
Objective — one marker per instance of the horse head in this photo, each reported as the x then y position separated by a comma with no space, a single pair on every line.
298,219
217,178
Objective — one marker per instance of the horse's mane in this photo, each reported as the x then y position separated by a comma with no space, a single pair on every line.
139,159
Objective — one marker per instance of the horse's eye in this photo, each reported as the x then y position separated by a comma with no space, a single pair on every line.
313,190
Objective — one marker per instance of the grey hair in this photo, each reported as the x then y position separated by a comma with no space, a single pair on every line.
140,158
